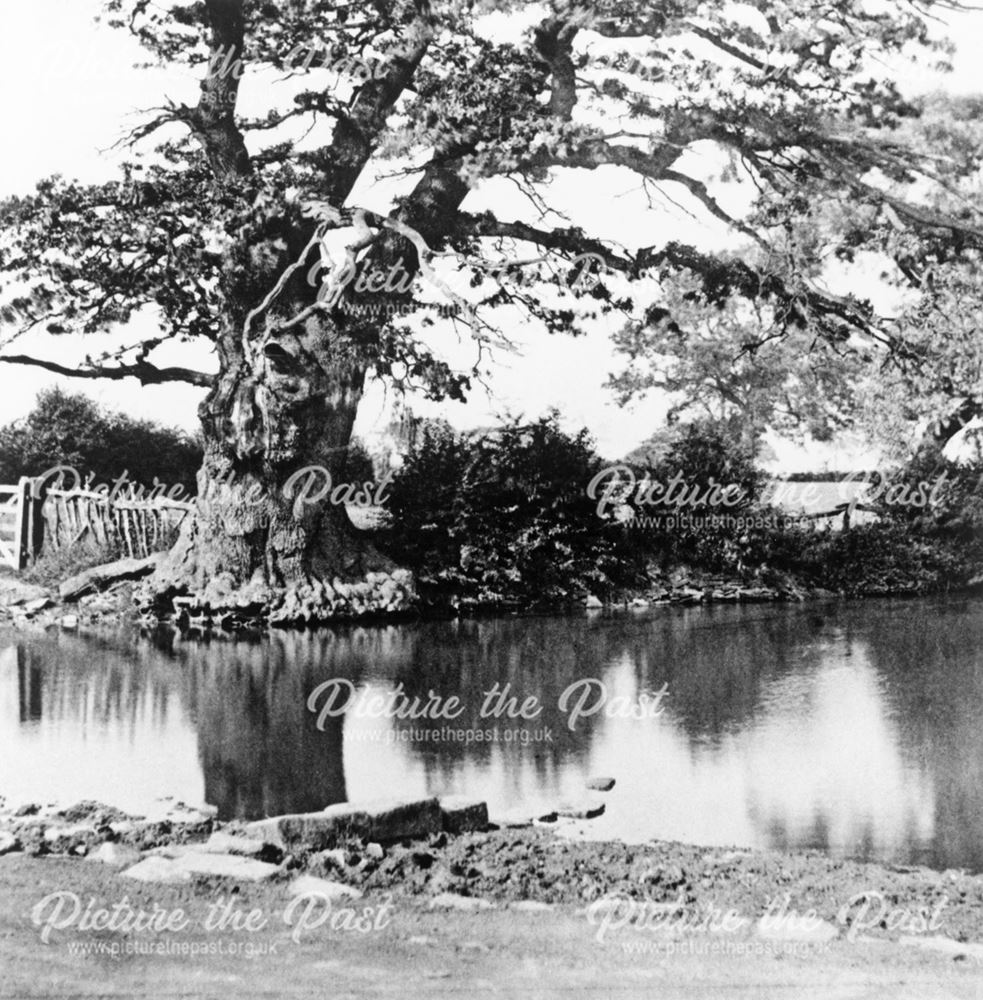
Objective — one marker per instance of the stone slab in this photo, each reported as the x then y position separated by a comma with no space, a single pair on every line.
381,820
461,814
156,869
225,866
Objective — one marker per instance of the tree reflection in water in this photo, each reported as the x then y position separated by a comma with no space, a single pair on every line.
850,727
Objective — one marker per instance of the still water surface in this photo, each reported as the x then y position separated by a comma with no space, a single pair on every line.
849,727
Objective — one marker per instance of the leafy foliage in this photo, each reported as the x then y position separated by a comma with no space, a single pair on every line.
867,560
70,429
54,567
718,363
700,455
954,518
797,99
929,535
505,518
358,463
212,230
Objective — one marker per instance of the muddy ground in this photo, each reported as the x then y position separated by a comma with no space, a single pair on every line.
533,914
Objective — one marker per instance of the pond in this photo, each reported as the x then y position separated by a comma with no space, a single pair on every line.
851,727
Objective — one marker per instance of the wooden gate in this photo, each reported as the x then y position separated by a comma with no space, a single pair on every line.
14,523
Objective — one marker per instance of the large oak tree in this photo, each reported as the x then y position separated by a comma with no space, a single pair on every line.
219,229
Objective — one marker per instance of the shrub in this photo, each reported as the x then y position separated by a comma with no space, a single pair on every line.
914,546
878,558
505,518
702,453
71,429
956,514
359,467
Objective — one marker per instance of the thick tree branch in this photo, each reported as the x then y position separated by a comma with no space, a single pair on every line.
356,134
213,120
732,50
835,317
594,153
699,191
569,241
554,43
147,373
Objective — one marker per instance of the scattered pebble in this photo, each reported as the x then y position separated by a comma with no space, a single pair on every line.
955,949
309,885
600,784
8,843
588,809
115,855
336,857
453,901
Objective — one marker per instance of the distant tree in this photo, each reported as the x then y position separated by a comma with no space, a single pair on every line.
71,429
913,378
715,363
708,449
699,455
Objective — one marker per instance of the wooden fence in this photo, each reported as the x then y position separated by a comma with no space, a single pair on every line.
137,526
844,510
59,519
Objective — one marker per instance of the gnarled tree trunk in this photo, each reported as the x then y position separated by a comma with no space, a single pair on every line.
270,538
291,377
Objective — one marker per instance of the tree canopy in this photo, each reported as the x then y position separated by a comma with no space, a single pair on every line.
220,214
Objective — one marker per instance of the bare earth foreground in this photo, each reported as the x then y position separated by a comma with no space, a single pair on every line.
512,918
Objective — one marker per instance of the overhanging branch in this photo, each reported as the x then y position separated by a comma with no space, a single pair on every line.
145,372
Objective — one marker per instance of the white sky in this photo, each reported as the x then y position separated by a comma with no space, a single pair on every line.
68,88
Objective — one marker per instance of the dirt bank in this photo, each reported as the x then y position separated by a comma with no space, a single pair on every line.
33,608
528,913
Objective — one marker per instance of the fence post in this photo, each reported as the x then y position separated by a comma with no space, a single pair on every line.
38,496
22,524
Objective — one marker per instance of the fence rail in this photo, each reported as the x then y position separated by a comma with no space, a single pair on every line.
9,496
137,526
844,510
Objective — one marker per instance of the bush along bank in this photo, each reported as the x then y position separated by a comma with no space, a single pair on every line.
531,519
527,519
